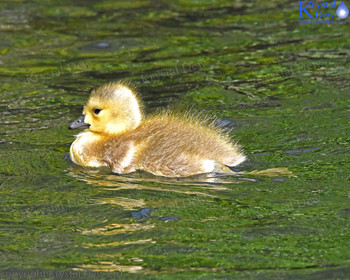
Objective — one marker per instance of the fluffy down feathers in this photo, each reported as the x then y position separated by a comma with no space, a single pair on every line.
162,144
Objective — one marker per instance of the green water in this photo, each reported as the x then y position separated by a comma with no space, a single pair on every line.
284,85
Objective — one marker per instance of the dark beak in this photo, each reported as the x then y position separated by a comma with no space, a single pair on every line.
79,123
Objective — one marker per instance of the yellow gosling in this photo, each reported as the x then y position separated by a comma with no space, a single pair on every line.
119,137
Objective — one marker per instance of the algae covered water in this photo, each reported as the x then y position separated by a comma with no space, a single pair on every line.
282,85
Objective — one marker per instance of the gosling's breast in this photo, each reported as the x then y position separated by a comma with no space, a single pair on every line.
86,150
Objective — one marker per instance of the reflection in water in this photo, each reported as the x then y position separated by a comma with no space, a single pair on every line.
145,181
142,180
205,188
110,267
118,243
114,229
198,186
126,203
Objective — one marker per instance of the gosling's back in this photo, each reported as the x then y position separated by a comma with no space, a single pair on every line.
173,147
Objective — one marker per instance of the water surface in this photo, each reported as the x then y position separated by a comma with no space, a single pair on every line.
283,85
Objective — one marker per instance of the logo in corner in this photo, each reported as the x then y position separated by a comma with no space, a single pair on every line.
323,11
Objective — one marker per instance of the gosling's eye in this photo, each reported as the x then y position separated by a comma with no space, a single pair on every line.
97,111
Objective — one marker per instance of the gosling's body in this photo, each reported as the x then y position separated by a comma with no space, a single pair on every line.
163,144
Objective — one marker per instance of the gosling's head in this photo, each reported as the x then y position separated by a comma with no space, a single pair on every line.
111,109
